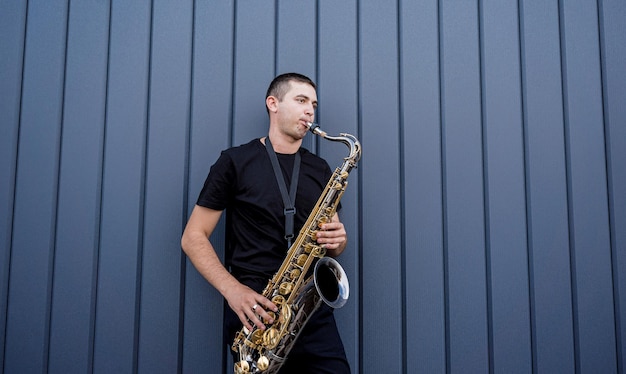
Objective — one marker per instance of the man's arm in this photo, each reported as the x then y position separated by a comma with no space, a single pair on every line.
196,245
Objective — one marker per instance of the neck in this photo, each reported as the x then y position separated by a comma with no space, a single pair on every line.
284,144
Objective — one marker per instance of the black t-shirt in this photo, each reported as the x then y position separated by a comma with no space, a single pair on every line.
243,183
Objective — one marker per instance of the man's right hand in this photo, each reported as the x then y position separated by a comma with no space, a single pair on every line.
250,306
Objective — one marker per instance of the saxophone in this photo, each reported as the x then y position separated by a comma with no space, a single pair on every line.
296,294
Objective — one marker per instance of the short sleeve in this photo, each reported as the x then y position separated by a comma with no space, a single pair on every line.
219,186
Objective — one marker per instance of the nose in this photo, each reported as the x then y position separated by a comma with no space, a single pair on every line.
309,110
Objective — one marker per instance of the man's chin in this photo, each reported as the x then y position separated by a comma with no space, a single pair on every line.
302,131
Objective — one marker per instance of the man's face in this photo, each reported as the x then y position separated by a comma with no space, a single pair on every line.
297,108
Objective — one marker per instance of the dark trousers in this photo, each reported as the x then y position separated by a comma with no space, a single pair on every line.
318,349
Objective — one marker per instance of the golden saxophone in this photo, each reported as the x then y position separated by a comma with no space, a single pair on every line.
296,295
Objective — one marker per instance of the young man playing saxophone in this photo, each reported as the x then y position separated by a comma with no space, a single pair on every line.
243,184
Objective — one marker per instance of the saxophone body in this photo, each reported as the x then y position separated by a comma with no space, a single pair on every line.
297,294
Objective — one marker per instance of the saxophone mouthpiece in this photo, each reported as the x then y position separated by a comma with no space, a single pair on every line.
315,129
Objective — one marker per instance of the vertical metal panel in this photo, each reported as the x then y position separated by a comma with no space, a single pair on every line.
116,320
423,230
168,119
589,229
209,134
75,257
551,301
463,189
613,54
12,29
378,96
296,38
337,93
507,261
34,220
296,51
254,67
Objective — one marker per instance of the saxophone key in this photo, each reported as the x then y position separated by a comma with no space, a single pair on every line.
242,367
308,247
295,274
278,300
301,261
263,363
257,337
285,288
271,337
250,344
319,251
285,314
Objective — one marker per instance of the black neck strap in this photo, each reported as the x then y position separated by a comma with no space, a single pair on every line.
289,199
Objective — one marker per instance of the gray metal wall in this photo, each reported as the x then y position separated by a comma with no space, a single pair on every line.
487,218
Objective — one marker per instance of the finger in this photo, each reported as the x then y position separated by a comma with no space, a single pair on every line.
268,305
258,323
331,239
331,245
266,311
329,226
255,317
249,319
323,236
264,316
335,233
245,320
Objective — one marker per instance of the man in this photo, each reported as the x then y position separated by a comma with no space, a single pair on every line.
244,184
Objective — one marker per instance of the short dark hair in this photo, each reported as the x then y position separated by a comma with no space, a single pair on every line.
280,85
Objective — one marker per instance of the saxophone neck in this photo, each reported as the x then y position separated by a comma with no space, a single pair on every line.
349,140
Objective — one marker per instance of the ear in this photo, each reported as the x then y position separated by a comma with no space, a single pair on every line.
272,103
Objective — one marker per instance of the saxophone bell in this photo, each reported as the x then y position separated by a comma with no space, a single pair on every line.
331,282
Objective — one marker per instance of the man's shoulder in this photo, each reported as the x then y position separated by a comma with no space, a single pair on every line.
244,150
